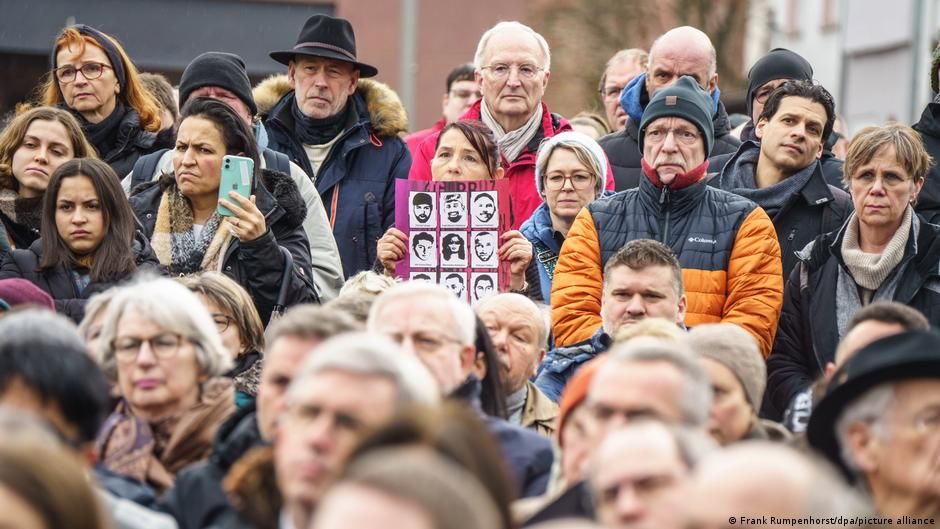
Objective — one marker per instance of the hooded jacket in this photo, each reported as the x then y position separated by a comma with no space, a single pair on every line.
818,207
928,200
520,172
623,147
357,179
725,244
809,331
258,265
197,499
59,281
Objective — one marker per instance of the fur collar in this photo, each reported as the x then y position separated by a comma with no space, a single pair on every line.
278,190
386,111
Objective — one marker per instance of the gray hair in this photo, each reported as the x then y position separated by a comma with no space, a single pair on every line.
31,328
93,307
869,408
367,282
696,398
172,307
533,308
370,355
310,321
484,40
465,320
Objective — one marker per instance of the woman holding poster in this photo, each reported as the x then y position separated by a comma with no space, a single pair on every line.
466,151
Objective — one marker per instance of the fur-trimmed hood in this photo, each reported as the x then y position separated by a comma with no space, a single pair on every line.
279,186
386,111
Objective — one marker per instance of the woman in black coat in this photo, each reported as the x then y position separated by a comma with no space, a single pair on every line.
90,240
180,217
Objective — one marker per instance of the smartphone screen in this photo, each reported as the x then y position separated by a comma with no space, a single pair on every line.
237,175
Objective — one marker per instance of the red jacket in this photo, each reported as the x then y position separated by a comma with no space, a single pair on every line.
415,138
520,173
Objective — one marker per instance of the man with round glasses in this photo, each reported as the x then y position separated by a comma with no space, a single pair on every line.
726,244
513,66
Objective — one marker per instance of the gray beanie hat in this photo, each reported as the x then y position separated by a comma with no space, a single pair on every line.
685,99
734,348
571,138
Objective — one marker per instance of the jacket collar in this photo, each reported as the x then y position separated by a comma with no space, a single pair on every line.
680,201
551,125
816,192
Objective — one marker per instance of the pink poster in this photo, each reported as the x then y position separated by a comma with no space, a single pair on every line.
453,231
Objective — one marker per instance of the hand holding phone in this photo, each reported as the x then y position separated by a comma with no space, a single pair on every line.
238,176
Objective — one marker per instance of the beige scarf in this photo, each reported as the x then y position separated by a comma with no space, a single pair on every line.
175,217
512,143
871,269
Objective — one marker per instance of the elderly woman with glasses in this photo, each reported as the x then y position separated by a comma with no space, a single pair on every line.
160,346
94,79
569,174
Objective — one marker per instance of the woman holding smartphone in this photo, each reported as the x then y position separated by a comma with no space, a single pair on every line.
89,243
181,218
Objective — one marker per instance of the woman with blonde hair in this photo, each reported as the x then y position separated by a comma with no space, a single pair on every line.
95,80
34,144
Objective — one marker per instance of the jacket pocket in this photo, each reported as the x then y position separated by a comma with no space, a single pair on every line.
372,224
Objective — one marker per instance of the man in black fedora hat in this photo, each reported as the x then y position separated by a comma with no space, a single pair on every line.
880,422
343,131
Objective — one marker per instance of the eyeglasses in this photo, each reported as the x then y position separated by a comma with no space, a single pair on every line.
423,342
222,322
165,345
684,136
578,181
502,71
764,92
90,70
466,94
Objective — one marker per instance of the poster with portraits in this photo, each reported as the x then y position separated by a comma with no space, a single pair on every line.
454,231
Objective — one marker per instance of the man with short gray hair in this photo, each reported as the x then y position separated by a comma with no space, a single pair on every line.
880,422
431,324
354,382
513,66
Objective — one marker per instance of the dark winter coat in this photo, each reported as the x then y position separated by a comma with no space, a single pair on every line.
132,142
808,332
623,148
820,207
258,265
561,363
357,179
197,499
60,282
928,200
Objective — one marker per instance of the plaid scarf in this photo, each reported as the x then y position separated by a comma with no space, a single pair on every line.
173,240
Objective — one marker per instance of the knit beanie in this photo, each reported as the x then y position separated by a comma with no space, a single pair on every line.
217,68
734,348
685,100
576,391
934,66
23,292
779,63
571,137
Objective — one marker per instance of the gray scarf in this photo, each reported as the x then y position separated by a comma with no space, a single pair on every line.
513,142
740,179
515,404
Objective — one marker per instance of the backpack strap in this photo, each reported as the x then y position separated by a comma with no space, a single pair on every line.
276,161
145,167
546,257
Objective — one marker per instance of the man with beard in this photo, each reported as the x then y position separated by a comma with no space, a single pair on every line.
422,205
484,244
484,208
454,208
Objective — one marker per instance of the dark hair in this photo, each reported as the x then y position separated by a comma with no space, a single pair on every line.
890,312
486,196
44,352
457,276
455,432
447,253
113,259
422,236
422,198
639,254
464,72
162,91
481,278
480,138
492,398
807,90
236,134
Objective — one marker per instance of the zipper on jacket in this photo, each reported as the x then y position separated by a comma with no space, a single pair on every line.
664,206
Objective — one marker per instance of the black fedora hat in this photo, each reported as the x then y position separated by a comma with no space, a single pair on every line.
905,356
329,37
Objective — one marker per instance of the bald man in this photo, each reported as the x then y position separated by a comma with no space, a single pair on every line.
520,335
678,52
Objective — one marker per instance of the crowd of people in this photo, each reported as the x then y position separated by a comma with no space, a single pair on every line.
701,326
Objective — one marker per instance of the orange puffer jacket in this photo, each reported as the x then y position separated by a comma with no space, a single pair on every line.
726,245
